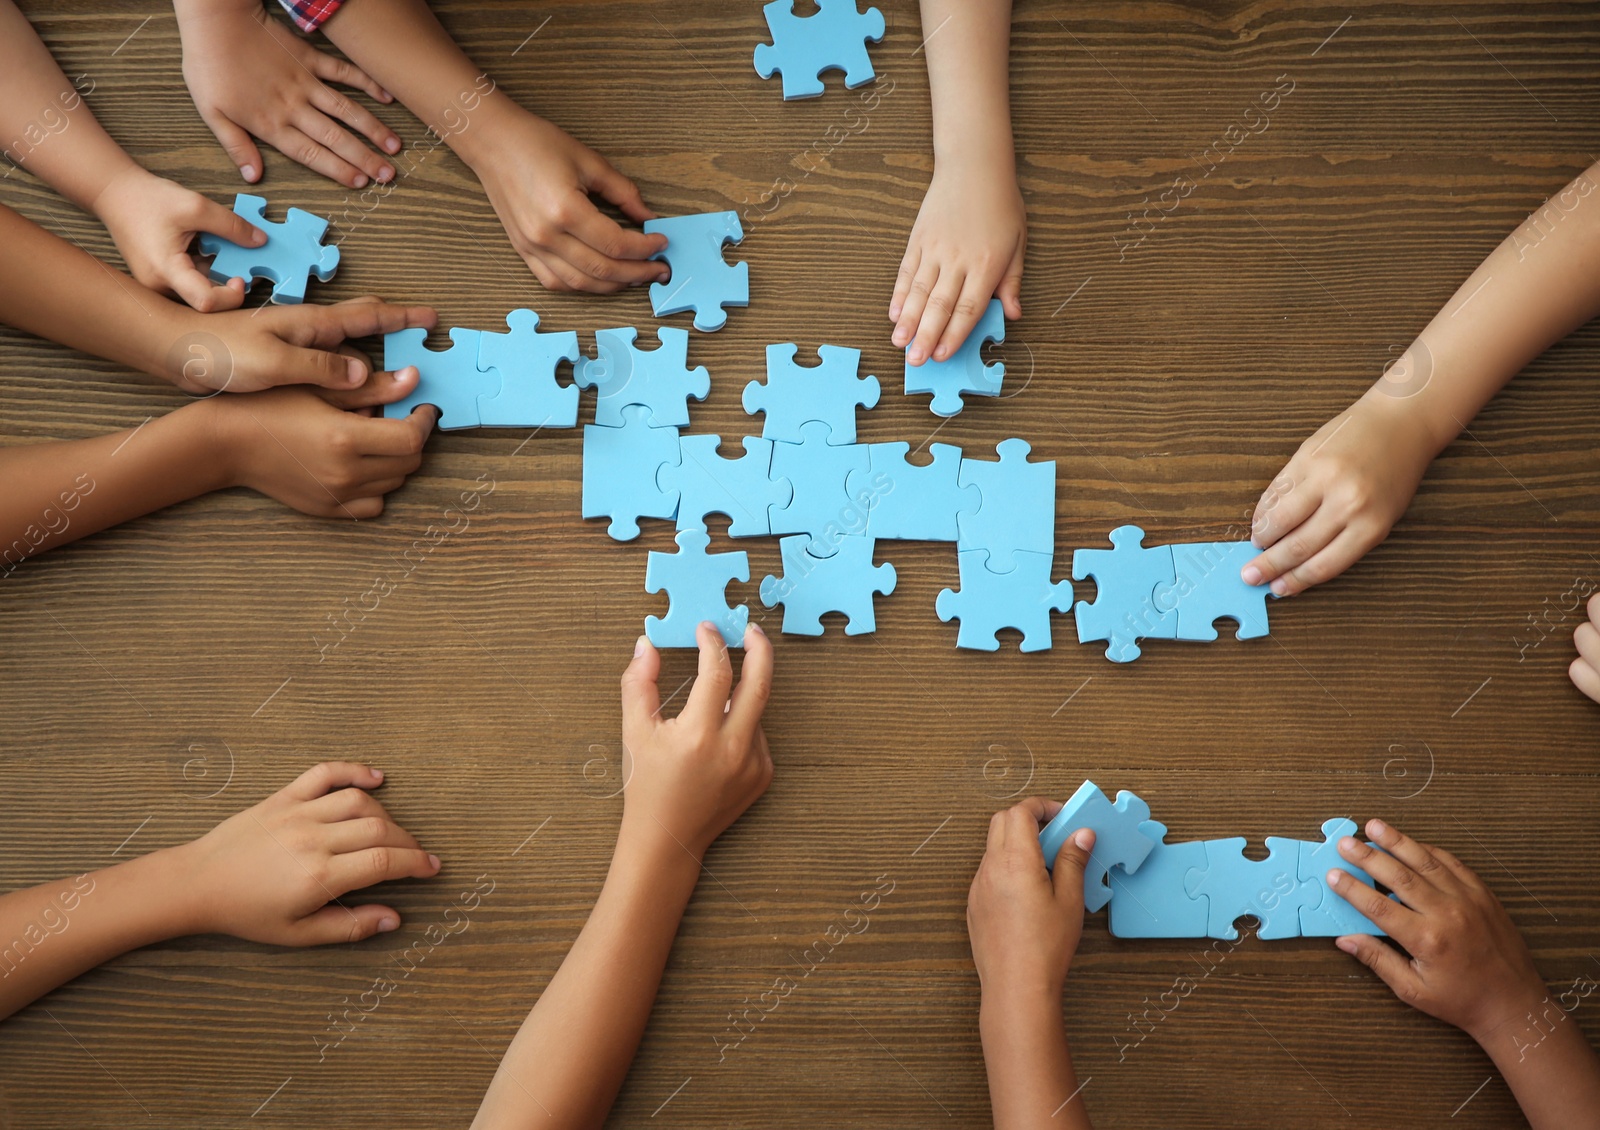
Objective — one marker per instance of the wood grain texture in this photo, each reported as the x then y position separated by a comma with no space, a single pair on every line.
1170,381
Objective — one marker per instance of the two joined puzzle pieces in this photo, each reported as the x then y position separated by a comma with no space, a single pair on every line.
1197,889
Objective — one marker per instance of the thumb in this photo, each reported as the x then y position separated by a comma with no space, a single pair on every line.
382,387
1384,960
334,923
1071,861
641,698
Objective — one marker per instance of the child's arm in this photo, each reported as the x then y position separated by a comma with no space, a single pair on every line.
1585,670
968,241
251,74
1350,482
50,288
1024,922
1469,967
538,177
302,448
685,780
273,873
49,130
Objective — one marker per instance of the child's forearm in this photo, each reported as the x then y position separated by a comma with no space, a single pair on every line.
1031,1079
1548,1065
1539,285
45,125
402,46
59,492
568,1061
968,44
51,933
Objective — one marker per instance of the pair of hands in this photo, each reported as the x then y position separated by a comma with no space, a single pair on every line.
1468,967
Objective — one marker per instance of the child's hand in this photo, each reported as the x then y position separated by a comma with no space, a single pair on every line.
326,454
965,248
1469,966
275,873
1024,921
693,775
153,221
1585,670
1339,496
251,350
538,177
251,74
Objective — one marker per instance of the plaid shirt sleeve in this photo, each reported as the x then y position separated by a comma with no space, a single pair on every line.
309,15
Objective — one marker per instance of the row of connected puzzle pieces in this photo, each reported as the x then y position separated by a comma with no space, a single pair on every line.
1197,889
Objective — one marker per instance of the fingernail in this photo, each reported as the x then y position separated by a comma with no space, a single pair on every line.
757,628
1251,575
1084,838
388,925
385,173
639,646
434,861
378,773
360,181
1376,828
1279,587
1334,877
392,145
1346,944
355,371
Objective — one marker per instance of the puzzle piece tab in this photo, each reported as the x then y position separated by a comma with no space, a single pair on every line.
1017,505
1206,588
1125,608
834,38
620,472
695,581
811,586
818,471
1268,889
911,502
294,250
701,280
1152,902
795,394
1120,837
963,371
1022,599
658,378
450,378
706,483
1325,914
526,360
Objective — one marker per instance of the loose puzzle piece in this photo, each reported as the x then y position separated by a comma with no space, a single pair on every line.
834,38
701,280
1206,587
964,370
909,502
1125,608
1152,902
293,251
1325,914
795,394
1017,505
1120,838
695,581
1268,889
450,378
811,586
988,601
529,395
818,471
658,378
620,472
706,483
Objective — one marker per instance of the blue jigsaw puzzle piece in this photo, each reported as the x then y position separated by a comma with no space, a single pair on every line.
706,483
811,586
529,395
911,502
818,471
658,378
834,38
294,250
621,468
1125,608
1152,902
795,394
695,582
451,379
701,280
1206,587
988,601
1267,889
1325,914
1119,837
1017,505
963,371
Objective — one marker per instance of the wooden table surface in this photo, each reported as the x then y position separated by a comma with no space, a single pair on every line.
163,675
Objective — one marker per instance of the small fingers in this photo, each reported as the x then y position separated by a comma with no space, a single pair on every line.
1298,545
330,69
380,387
1393,918
1009,292
334,924
353,870
322,367
344,836
936,312
619,190
1585,677
1417,856
922,285
1384,960
708,698
194,287
1347,547
974,300
330,110
302,143
369,317
755,687
902,288
329,775
344,804
1067,874
238,144
641,697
